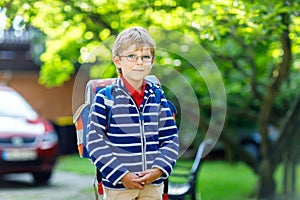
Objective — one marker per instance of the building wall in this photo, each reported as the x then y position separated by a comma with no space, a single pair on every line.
52,103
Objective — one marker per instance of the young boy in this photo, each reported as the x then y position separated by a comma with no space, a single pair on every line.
139,148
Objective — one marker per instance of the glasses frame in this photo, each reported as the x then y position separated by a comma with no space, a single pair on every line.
134,58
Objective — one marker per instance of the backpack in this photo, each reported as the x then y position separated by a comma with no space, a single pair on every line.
80,119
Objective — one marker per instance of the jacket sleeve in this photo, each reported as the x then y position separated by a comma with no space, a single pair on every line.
97,145
168,139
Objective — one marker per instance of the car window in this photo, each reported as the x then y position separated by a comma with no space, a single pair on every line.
12,104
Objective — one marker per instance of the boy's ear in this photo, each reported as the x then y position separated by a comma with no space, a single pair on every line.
116,61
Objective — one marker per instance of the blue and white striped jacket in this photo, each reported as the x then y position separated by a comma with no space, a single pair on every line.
137,139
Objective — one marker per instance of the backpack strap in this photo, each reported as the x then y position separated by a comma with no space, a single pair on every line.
157,96
108,92
171,105
166,189
109,102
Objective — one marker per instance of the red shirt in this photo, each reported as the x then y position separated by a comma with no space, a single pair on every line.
136,95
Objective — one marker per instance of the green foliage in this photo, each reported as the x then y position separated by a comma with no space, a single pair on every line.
224,27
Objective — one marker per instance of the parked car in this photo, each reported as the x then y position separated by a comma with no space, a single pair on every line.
28,142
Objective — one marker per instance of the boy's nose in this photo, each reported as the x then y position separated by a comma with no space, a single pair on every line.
139,59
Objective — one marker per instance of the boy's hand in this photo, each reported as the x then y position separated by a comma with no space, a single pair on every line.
148,176
128,182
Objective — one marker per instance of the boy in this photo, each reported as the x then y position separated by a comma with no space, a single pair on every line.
139,148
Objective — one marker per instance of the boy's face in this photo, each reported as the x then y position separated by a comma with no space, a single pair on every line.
135,64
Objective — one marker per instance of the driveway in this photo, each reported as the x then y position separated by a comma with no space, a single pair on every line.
62,186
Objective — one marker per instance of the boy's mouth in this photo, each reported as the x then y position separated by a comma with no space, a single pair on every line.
138,70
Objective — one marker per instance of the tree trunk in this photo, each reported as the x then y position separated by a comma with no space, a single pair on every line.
266,187
266,180
290,170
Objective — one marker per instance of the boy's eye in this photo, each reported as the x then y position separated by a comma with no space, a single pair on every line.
132,56
146,57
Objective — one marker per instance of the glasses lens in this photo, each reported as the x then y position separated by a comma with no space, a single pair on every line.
131,58
146,58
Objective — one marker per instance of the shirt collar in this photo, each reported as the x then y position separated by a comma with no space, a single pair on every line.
132,90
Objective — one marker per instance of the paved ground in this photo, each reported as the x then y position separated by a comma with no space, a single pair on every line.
62,186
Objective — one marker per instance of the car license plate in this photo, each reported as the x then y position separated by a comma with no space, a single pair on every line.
19,154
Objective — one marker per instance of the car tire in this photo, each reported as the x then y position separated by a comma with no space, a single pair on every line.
41,178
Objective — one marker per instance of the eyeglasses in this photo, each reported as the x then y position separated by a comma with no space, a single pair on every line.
134,58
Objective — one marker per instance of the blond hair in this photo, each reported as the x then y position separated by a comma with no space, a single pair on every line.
137,36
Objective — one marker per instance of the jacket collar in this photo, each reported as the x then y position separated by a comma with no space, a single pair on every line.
149,89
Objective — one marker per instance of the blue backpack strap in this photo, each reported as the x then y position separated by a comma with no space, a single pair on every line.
157,96
172,107
158,100
109,94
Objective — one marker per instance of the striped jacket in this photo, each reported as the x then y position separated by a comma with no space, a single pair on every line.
136,139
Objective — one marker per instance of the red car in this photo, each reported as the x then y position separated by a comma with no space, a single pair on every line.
28,143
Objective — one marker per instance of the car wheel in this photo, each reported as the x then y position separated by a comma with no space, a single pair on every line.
41,177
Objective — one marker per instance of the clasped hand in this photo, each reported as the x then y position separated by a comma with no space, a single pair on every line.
133,181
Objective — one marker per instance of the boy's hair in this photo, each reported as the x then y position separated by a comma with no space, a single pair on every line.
137,36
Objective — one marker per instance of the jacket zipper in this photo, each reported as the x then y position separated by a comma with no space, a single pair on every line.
143,137
143,141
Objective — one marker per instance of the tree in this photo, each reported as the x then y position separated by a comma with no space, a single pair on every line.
254,44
